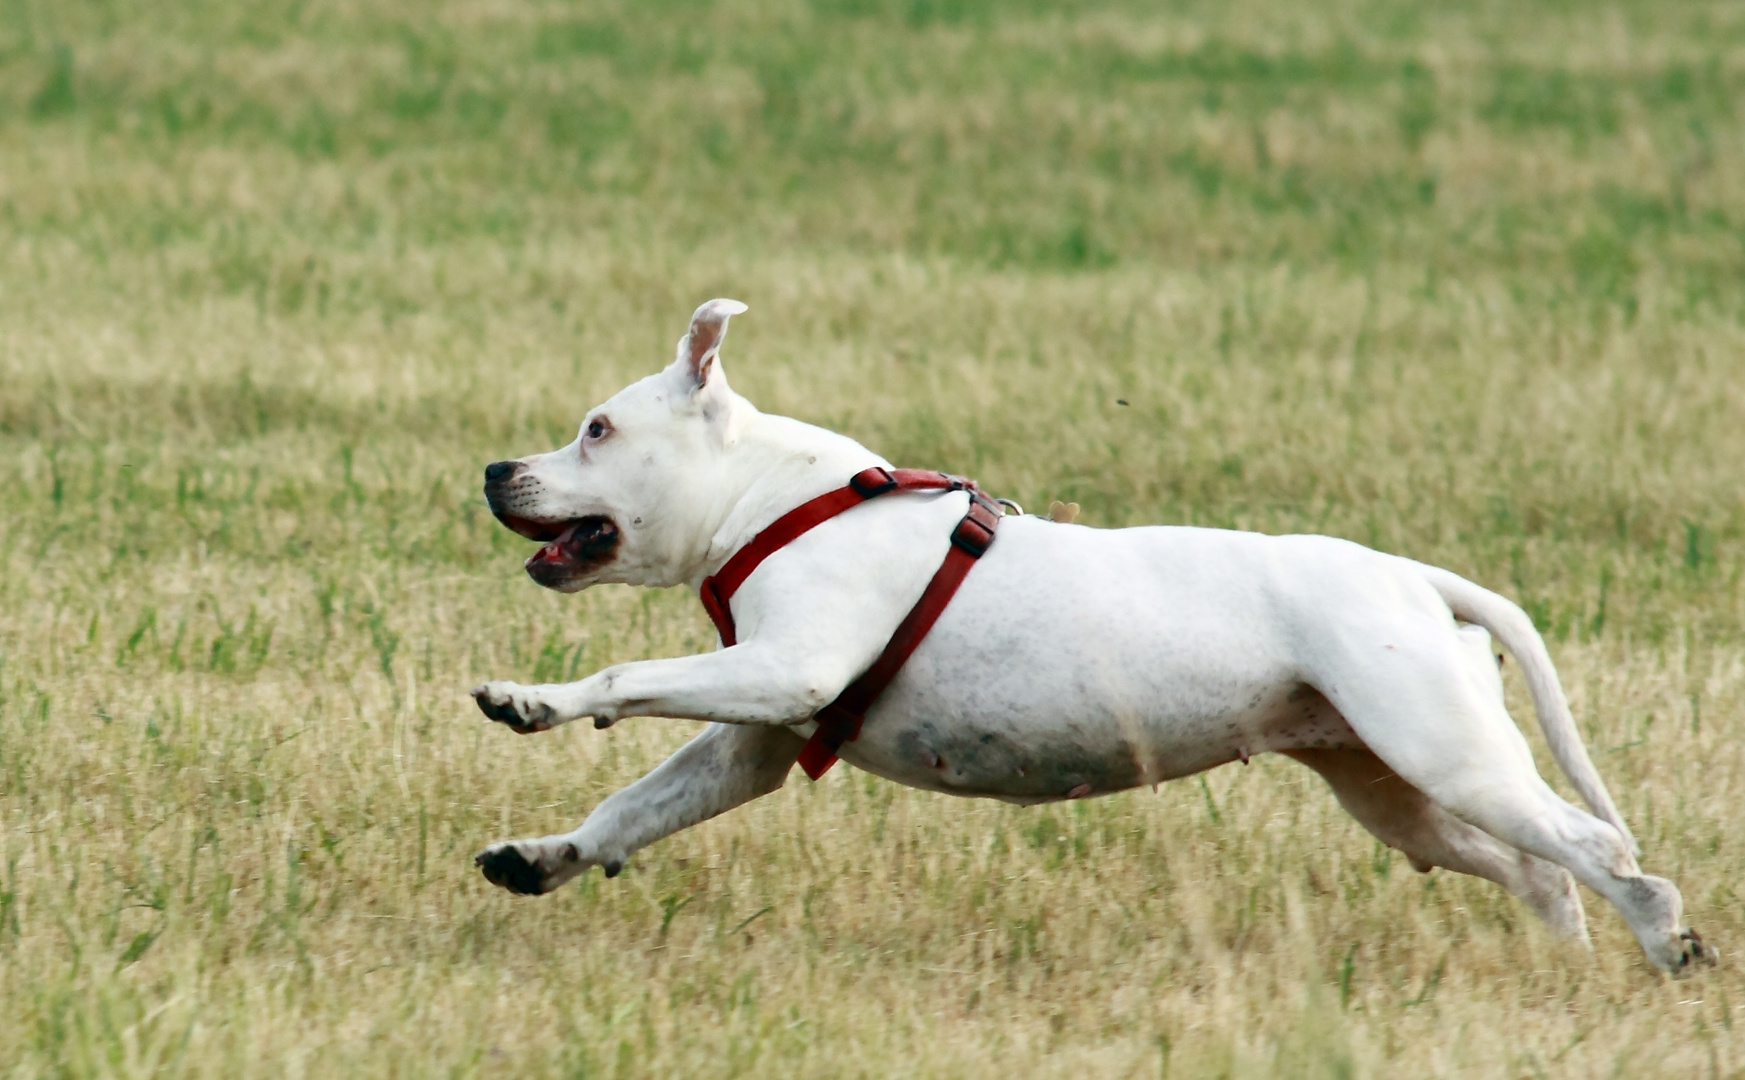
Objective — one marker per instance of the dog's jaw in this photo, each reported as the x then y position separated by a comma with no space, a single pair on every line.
571,560
574,550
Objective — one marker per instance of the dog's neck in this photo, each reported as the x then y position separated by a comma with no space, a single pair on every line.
770,465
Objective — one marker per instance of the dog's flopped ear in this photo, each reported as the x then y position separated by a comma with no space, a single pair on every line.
698,348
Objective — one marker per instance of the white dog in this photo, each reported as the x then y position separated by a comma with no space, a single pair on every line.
1073,661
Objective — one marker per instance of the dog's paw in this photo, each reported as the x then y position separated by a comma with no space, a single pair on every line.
525,868
1694,953
517,707
504,866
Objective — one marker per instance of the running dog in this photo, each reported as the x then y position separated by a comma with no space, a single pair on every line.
1072,661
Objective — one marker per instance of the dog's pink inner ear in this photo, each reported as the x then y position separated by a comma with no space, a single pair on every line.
708,329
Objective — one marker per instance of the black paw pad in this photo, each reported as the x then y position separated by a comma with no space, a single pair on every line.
505,866
503,714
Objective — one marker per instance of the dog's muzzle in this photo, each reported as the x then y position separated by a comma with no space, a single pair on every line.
570,548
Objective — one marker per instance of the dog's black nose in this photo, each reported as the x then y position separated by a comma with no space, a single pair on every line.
498,470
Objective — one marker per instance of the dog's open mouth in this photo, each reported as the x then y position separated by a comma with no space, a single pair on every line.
542,531
567,547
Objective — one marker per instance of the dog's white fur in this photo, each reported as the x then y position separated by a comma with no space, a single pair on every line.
1073,661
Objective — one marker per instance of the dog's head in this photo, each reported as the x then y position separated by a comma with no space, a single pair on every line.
621,503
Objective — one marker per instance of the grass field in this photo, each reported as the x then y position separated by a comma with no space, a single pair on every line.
1464,282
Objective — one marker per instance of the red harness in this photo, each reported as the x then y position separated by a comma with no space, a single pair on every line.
839,721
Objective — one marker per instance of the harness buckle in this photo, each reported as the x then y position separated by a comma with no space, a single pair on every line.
872,482
975,533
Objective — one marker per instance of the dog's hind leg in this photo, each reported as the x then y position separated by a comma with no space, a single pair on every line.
726,765
1402,817
1405,689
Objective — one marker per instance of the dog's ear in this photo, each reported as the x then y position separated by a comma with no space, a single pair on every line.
698,348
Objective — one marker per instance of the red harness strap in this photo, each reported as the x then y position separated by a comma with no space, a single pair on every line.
839,721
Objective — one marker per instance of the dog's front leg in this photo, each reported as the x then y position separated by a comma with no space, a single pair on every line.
719,769
752,683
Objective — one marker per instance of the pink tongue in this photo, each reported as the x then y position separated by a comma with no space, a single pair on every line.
553,551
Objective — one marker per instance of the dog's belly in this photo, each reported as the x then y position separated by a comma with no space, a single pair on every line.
1041,758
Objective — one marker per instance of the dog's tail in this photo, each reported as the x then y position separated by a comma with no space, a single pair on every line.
1511,626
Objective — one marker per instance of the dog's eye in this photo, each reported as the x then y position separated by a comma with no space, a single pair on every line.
596,429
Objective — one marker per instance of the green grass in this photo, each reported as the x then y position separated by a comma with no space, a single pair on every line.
1464,282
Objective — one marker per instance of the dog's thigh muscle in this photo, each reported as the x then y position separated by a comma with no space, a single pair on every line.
718,770
1403,817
